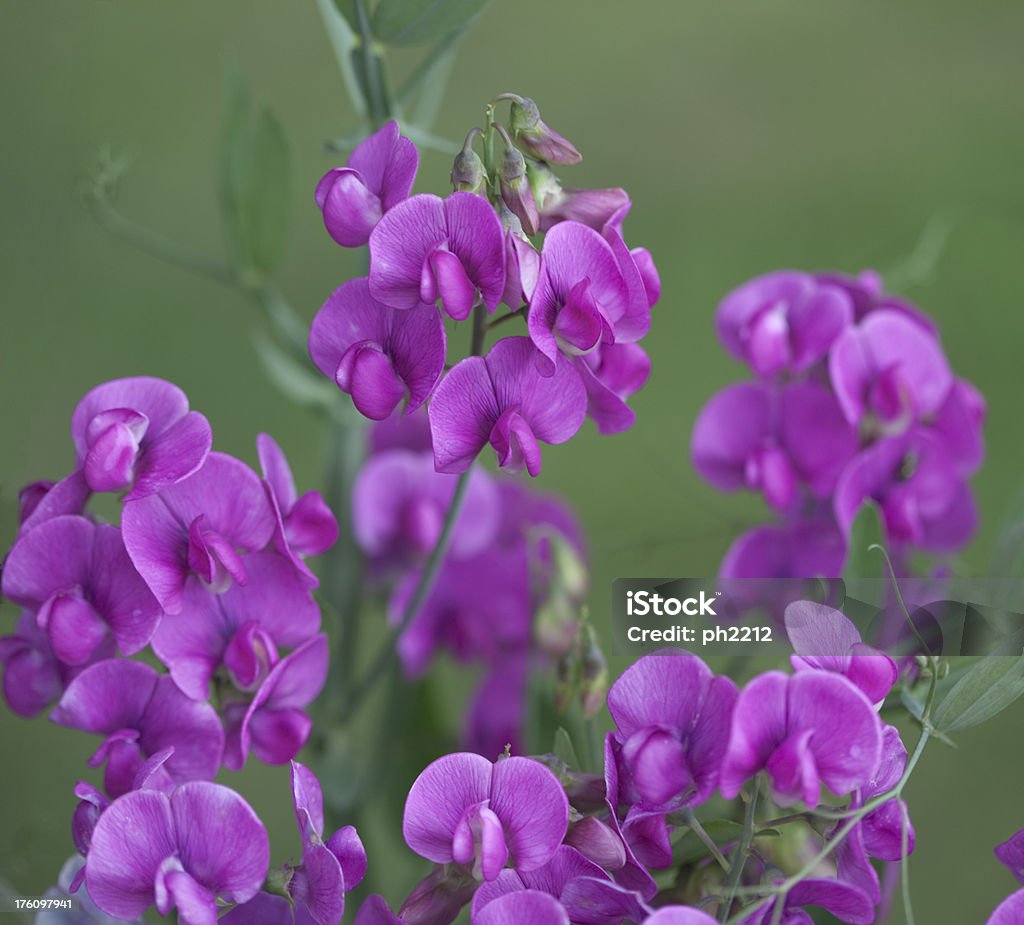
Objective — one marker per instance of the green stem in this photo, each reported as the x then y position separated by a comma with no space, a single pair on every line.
373,81
739,856
158,246
388,651
694,823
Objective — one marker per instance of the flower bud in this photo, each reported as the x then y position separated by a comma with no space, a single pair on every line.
597,842
439,897
536,137
594,675
516,191
468,173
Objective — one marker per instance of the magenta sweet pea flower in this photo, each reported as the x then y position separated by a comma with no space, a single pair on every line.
525,906
68,496
882,828
867,294
33,676
399,504
582,890
274,723
889,368
330,867
611,373
782,322
583,297
504,399
824,639
843,900
379,175
267,909
590,207
914,479
202,526
429,249
305,525
76,577
401,431
799,548
239,630
465,810
804,730
757,436
138,433
141,713
1011,855
377,354
672,717
182,851
959,423
496,713
1010,911
522,269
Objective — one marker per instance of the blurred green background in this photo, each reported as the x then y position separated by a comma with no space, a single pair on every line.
750,136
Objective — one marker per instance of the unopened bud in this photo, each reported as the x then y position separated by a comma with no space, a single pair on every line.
594,674
516,191
536,137
468,173
597,842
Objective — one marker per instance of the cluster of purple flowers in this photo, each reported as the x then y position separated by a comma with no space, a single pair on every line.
505,597
585,297
531,840
854,402
208,568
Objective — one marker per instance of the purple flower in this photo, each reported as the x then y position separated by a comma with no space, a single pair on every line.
611,373
428,249
1011,854
525,906
331,867
182,851
377,354
804,730
679,915
591,207
754,435
267,909
672,717
798,548
30,496
399,504
522,269
138,433
401,431
503,399
202,526
583,298
882,828
379,175
240,629
924,499
825,640
141,713
305,525
1010,911
33,676
889,368
68,496
496,714
867,294
74,907
78,580
274,723
582,890
844,901
782,322
463,809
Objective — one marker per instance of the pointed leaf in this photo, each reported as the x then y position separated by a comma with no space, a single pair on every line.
410,22
990,686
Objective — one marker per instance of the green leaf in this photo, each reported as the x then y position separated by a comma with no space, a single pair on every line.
254,180
988,688
296,381
564,750
867,530
410,22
